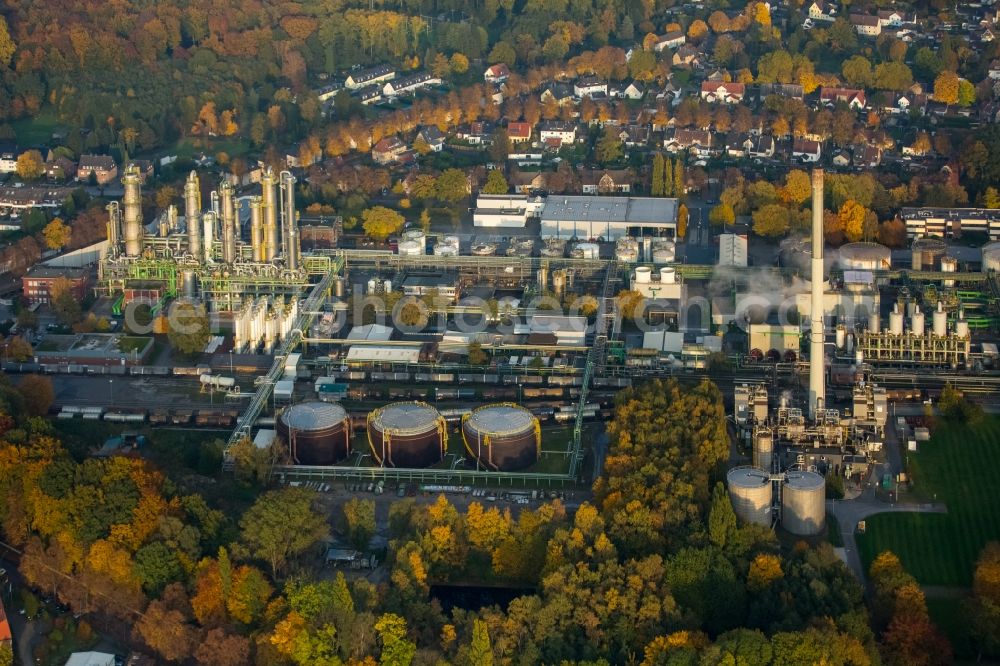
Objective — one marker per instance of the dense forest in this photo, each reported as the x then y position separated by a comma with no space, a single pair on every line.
656,571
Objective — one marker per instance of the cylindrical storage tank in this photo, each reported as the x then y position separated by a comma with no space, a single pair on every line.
917,322
962,328
763,451
874,323
865,257
643,275
189,284
664,255
627,250
317,433
949,264
803,503
503,437
484,249
338,287
668,275
841,336
410,248
940,325
896,321
586,251
927,253
442,250
991,256
750,493
407,434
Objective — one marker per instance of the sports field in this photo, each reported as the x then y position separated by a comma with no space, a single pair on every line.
961,466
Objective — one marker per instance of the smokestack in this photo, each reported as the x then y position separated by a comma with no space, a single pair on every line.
257,228
192,214
817,364
269,197
132,205
228,223
289,227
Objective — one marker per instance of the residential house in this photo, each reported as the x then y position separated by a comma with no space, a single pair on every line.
686,56
891,18
761,146
556,130
723,93
866,25
478,133
370,94
634,135
60,169
737,144
519,132
559,92
606,182
38,281
718,75
671,40
8,157
902,103
697,142
409,84
33,196
589,86
369,77
822,11
389,150
867,157
993,73
497,73
433,137
633,90
103,168
853,97
329,91
789,90
806,150
525,182
840,158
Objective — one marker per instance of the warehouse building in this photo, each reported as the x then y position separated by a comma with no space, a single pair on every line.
610,218
510,211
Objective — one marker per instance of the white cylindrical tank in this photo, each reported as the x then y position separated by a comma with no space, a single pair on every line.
865,257
668,275
949,264
586,251
750,493
442,250
627,250
940,324
874,322
663,252
917,321
841,333
643,275
763,451
410,248
926,253
961,326
991,256
217,381
896,321
803,503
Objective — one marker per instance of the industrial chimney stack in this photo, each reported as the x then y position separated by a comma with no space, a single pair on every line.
817,364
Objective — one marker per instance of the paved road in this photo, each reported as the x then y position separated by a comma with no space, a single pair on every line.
850,512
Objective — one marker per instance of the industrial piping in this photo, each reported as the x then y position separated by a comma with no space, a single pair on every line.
817,363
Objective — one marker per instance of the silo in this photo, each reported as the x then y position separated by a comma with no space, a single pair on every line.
132,211
763,450
317,433
750,493
927,253
803,503
407,434
961,325
917,322
502,437
865,257
991,256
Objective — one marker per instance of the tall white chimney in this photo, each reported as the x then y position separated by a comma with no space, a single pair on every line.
817,364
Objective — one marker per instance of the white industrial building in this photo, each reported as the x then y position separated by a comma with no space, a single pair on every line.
568,330
510,211
949,222
732,250
782,338
609,218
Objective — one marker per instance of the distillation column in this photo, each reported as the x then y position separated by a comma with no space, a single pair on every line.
208,224
132,206
257,229
269,194
817,363
228,222
192,214
290,231
114,227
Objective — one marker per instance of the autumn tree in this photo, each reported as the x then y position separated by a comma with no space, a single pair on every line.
721,215
380,222
946,87
459,64
452,185
852,217
682,221
359,522
57,234
221,648
984,607
189,329
7,45
166,631
771,221
18,349
30,165
476,354
609,147
64,302
282,525
38,394
495,183
797,188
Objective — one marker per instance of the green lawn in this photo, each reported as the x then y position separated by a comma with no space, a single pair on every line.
960,466
36,130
